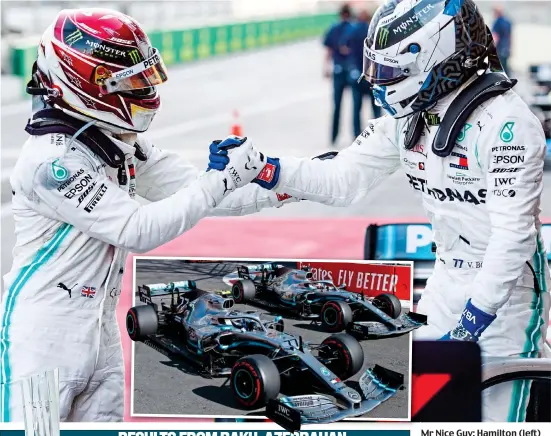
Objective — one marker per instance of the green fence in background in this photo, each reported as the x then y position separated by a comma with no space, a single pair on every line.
187,45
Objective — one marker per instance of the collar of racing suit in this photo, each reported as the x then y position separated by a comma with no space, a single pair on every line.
452,112
442,106
128,144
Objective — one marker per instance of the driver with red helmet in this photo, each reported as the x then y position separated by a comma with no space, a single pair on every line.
94,90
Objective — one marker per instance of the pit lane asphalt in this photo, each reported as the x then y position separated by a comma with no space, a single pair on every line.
167,386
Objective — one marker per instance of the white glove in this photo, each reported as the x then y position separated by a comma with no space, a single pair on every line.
233,163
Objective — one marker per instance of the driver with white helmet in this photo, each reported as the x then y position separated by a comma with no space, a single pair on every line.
473,151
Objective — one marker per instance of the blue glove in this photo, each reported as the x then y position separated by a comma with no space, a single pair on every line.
471,325
218,157
269,176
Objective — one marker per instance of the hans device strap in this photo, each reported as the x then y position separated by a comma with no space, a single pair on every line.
485,87
52,120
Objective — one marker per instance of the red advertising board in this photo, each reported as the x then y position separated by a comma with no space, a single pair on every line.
371,279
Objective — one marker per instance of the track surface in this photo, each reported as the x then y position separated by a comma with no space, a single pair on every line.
165,386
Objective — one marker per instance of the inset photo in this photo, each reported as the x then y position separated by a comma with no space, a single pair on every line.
312,341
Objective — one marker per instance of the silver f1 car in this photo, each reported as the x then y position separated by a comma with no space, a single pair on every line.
295,291
258,357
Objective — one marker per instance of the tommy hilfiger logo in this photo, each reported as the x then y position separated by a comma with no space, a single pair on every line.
462,163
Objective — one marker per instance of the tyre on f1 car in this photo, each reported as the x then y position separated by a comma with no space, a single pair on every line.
243,290
141,321
254,381
335,316
342,354
389,304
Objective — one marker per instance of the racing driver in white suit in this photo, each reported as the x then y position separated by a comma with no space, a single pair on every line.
75,214
491,279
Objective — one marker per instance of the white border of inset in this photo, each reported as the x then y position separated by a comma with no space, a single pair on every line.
246,260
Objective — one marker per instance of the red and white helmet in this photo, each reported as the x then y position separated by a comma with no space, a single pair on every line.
103,67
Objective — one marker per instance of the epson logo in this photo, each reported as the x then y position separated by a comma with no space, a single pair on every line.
79,186
125,73
508,159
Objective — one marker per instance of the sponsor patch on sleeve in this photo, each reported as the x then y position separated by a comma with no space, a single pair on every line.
267,174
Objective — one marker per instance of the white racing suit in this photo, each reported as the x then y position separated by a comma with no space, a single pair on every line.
59,301
483,204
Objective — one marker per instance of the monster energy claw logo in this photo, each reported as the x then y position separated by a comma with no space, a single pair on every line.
463,132
73,37
383,36
506,133
60,173
134,56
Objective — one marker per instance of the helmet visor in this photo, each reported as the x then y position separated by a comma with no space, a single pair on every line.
379,69
387,58
145,74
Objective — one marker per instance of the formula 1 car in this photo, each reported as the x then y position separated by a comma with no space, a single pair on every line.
257,356
294,290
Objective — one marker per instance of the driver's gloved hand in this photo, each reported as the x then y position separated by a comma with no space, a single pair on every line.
472,323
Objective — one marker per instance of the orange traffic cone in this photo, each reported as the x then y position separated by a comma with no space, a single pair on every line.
236,128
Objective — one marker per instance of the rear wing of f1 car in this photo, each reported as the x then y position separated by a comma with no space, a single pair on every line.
413,242
160,291
261,270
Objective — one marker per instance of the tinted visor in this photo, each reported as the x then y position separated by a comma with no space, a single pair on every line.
387,61
146,74
379,74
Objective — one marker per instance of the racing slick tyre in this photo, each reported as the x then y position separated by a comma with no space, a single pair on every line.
141,321
335,316
243,290
342,354
254,380
389,304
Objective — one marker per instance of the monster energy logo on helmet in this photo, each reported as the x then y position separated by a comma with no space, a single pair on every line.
134,56
407,24
382,38
73,37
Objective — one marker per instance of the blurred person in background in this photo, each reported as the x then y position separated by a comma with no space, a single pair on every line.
336,64
474,152
502,30
354,41
94,88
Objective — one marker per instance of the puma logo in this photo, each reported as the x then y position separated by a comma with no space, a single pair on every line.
247,164
226,189
65,288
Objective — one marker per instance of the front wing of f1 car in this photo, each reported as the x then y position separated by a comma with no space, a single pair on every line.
405,323
377,385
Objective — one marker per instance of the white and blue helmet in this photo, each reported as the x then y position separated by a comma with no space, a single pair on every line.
418,51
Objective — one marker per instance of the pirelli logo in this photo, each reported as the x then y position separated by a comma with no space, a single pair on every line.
96,198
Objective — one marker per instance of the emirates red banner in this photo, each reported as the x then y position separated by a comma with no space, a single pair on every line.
371,279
